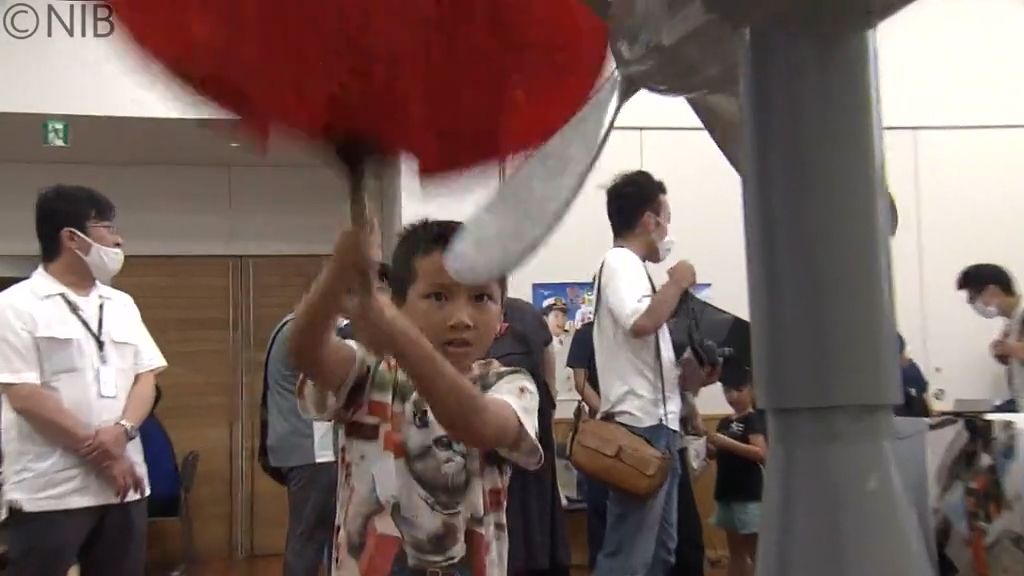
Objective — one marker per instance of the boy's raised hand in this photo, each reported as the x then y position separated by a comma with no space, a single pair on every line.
357,254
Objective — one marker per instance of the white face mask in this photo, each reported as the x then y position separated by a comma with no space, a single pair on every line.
987,312
665,246
104,262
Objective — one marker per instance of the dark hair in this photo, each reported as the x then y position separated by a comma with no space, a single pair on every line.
974,279
63,206
744,380
384,273
894,216
630,196
420,239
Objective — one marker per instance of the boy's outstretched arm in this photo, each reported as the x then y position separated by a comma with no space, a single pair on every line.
314,349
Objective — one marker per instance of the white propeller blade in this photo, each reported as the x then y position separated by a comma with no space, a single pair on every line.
530,203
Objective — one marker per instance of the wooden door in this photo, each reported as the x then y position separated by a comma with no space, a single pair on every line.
190,305
271,288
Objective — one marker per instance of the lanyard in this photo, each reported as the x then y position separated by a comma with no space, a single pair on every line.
97,335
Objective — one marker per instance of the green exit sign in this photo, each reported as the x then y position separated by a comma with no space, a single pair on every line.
56,133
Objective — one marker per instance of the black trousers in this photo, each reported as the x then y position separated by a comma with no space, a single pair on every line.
690,545
103,540
311,512
597,514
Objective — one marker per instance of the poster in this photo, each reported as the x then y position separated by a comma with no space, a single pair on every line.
578,296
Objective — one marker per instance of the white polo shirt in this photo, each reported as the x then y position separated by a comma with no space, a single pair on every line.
43,343
631,386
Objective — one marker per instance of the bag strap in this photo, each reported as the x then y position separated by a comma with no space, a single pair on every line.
262,455
657,335
657,356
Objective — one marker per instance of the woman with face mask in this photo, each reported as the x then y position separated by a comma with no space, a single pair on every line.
991,293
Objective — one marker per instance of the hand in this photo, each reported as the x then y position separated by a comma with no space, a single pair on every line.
1005,350
123,478
693,424
994,348
106,446
683,275
353,266
692,377
374,319
698,427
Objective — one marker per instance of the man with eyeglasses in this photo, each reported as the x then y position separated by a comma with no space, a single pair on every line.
78,375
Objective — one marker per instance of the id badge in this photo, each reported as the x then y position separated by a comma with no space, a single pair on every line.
107,381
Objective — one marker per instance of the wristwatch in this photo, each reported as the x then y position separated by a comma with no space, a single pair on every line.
130,430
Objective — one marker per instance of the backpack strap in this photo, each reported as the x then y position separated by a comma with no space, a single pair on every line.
275,473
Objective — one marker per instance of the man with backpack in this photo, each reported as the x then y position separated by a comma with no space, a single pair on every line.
298,453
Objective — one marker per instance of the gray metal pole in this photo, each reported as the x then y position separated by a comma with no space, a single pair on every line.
824,337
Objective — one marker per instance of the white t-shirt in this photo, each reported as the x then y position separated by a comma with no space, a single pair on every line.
631,388
42,343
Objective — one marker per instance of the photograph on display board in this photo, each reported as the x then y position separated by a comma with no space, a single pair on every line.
578,298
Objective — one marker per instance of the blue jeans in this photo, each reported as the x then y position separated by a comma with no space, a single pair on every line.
641,533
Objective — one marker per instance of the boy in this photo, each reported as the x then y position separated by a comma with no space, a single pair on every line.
428,432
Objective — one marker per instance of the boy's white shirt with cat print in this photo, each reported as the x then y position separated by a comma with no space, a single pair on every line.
408,495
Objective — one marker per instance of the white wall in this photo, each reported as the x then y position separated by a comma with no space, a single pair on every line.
953,63
907,279
454,196
187,210
942,63
971,202
94,76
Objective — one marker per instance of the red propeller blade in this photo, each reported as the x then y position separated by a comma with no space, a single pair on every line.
455,82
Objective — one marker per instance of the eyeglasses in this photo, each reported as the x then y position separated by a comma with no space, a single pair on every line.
660,219
109,227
